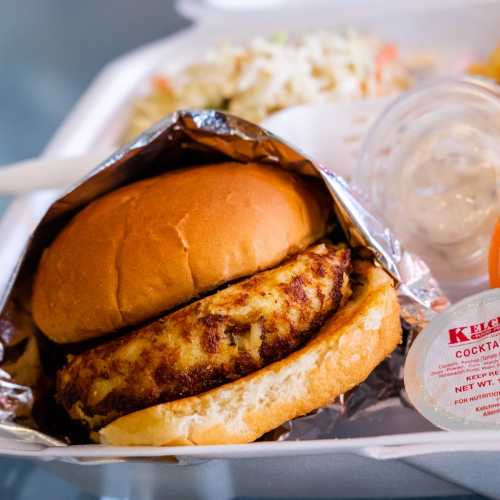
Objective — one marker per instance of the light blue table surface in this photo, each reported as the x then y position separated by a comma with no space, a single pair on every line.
50,51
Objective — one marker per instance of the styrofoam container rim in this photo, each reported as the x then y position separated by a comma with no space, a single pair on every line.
202,11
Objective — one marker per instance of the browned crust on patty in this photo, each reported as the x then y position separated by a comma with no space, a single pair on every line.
342,354
210,342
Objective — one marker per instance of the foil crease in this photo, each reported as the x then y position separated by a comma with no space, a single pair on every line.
198,137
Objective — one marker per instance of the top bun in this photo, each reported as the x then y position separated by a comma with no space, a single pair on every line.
157,243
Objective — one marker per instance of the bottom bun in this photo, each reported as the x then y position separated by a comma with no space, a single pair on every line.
347,348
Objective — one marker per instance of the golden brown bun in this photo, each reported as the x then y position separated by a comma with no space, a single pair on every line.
348,347
157,243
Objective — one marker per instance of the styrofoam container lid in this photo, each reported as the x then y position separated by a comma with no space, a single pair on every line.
202,11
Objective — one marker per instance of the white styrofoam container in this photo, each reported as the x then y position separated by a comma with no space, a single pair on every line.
403,465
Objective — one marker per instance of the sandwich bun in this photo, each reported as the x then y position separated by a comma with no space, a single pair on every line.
157,243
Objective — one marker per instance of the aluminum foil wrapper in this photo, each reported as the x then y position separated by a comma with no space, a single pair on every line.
378,406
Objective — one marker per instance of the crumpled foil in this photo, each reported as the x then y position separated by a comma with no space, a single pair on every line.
377,406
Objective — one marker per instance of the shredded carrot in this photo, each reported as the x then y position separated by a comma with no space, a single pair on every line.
161,83
388,53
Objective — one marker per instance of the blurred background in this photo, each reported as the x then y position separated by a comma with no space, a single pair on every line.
49,53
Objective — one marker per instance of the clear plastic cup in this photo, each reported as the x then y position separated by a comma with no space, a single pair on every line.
430,168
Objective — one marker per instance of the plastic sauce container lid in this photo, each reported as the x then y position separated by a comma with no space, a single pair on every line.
429,167
452,372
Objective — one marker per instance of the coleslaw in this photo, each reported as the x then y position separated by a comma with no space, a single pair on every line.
254,80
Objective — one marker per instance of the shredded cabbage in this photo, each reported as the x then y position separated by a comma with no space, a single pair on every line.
265,75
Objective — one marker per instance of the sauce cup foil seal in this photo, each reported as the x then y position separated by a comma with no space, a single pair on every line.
452,372
181,139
